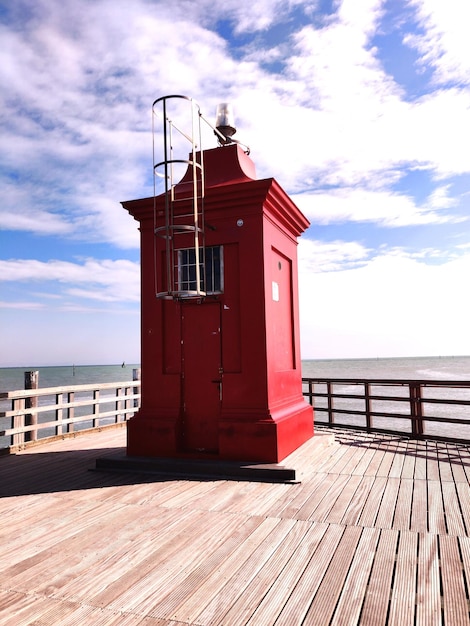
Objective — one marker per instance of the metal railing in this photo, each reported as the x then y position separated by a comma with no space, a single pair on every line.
64,411
438,409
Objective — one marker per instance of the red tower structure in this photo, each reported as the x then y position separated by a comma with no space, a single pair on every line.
220,354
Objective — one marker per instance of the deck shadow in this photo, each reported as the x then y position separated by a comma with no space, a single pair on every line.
72,470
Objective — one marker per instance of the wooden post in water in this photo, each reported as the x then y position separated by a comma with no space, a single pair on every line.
31,381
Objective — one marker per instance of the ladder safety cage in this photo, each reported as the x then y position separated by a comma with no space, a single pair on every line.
183,207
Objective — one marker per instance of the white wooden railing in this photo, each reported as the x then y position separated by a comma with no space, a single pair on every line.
38,414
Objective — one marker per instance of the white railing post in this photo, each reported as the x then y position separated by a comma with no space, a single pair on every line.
118,405
136,376
59,413
31,381
18,420
70,411
96,408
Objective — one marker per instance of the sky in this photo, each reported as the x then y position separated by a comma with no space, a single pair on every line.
360,109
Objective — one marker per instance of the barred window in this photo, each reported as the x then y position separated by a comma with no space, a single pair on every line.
210,270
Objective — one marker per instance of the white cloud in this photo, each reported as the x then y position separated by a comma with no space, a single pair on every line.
320,256
25,306
105,280
443,43
79,106
392,306
386,208
244,16
41,222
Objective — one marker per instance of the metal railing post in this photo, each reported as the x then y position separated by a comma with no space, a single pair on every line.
416,409
367,401
331,419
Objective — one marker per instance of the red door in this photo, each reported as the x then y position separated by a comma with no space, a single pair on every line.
202,375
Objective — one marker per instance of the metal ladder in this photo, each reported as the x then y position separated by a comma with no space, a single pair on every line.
189,221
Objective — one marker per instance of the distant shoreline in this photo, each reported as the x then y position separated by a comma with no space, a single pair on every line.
304,360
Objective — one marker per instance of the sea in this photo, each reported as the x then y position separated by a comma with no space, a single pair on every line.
410,368
445,368
417,368
12,378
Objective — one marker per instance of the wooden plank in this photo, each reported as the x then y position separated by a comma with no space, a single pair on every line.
421,465
93,558
398,461
371,507
327,464
363,465
234,498
350,460
46,537
220,604
358,501
200,597
243,608
15,606
301,597
376,600
340,507
284,498
428,597
401,519
215,559
402,602
432,462
324,506
355,585
323,605
445,468
376,461
387,460
279,591
455,460
436,517
408,469
419,509
454,521
464,543
33,570
453,586
146,493
165,569
464,453
245,493
463,494
388,504
269,494
310,455
192,490
110,575
308,499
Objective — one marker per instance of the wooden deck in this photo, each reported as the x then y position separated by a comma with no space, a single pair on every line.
377,532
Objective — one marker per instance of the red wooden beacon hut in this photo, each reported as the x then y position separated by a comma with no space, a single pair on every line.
221,369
